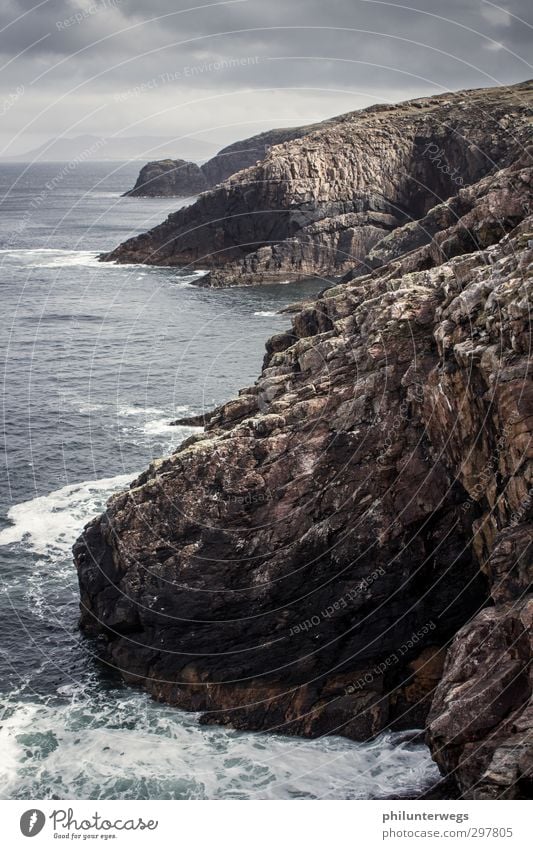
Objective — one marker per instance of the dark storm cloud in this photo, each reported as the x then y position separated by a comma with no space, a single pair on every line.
205,65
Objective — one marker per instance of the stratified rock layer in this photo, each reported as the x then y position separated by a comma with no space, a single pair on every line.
318,204
304,564
246,153
179,178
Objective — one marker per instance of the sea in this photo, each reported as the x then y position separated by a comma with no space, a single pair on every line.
97,360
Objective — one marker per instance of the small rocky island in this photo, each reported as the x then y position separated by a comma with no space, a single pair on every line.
347,547
169,178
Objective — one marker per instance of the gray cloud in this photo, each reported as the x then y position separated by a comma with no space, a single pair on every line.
224,70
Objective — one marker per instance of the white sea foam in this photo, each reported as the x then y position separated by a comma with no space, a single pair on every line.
63,258
143,422
49,524
144,412
188,279
128,411
160,427
50,258
58,258
266,313
121,745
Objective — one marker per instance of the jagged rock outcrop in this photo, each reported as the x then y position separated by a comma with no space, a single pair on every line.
304,564
169,178
481,722
179,178
244,154
319,204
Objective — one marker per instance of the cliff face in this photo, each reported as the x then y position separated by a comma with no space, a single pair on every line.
319,204
179,178
304,565
244,154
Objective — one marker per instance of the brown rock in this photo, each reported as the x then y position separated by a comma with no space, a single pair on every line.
317,203
481,721
304,564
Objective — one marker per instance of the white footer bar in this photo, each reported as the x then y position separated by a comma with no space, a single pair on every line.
265,825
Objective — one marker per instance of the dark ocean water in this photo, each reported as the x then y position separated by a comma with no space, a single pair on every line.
97,359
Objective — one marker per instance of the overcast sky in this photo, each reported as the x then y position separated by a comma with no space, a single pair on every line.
222,71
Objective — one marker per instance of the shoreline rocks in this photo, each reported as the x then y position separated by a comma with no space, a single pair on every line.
346,547
258,538
332,198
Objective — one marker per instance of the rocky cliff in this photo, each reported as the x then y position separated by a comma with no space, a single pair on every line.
347,546
179,178
319,204
246,153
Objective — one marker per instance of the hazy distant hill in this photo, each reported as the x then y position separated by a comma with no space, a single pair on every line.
91,147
